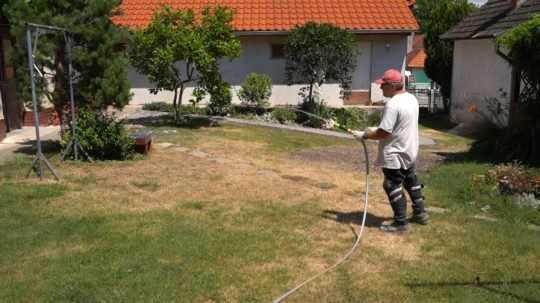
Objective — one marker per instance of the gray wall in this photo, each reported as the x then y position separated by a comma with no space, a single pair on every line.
481,83
376,53
388,52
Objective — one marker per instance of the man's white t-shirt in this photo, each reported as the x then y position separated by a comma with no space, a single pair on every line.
400,119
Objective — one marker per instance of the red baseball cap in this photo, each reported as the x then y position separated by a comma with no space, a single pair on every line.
390,76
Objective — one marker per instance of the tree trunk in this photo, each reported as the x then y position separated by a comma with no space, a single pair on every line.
60,112
310,96
175,106
182,87
309,104
513,114
60,85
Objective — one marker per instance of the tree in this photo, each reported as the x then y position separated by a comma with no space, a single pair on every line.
99,59
422,11
523,133
440,16
176,50
317,53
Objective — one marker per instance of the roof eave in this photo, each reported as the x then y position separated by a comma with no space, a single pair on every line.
354,31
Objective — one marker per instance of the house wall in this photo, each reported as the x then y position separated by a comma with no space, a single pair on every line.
481,83
376,53
388,52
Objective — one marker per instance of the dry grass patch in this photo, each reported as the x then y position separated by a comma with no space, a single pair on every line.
238,184
60,251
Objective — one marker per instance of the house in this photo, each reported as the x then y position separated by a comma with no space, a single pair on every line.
381,29
10,109
416,59
484,84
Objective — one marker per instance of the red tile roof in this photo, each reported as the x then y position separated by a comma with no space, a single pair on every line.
417,56
283,15
416,59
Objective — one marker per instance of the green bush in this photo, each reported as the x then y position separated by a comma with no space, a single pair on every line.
191,109
220,100
353,118
283,115
374,119
319,109
167,107
256,90
158,106
102,137
239,109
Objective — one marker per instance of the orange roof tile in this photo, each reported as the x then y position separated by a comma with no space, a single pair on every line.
416,58
283,15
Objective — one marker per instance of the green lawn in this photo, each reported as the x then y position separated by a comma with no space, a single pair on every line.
503,255
191,230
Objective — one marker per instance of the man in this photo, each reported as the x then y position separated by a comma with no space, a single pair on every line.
398,150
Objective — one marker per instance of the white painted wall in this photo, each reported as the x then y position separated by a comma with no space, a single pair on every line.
481,83
375,55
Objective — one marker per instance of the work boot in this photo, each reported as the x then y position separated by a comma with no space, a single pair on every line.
421,218
394,227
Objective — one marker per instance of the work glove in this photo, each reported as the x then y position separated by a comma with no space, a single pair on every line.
330,123
371,130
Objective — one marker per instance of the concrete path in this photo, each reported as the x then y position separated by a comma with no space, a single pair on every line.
22,139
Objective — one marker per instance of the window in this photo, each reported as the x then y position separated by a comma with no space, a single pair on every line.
278,51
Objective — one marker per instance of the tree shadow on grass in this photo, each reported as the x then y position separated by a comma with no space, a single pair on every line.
48,147
439,121
481,151
354,217
490,286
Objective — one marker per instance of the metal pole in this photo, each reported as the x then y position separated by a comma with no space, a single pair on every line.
34,98
47,27
72,98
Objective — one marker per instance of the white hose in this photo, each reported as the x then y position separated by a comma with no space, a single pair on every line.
355,245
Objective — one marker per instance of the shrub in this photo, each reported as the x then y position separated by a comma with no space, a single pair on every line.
374,119
513,178
195,110
102,137
256,90
158,106
319,109
353,118
220,100
283,115
167,107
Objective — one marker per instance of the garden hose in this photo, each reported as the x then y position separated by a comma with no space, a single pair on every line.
358,234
